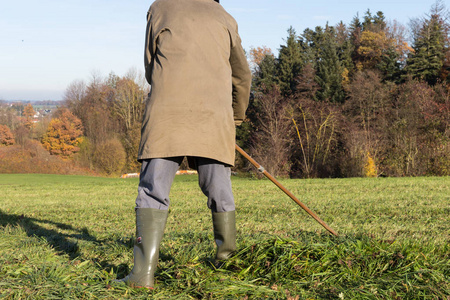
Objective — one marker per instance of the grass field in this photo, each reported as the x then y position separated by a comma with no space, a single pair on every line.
69,236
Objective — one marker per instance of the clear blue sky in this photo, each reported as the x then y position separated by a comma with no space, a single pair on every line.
47,44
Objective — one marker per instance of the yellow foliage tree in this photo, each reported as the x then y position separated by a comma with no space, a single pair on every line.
345,78
370,168
373,45
64,135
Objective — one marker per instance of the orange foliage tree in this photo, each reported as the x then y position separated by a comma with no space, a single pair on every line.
6,137
28,114
257,55
64,134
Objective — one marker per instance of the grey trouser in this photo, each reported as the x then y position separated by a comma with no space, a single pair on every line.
157,176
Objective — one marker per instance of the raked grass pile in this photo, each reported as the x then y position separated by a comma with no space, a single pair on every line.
70,236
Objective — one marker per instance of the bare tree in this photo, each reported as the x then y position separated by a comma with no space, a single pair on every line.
367,108
74,93
127,106
272,139
316,125
128,102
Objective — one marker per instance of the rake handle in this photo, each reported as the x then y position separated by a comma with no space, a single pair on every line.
286,191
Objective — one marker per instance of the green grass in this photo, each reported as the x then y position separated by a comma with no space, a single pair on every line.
69,236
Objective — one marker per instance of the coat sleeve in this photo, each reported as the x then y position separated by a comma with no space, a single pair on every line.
149,55
241,79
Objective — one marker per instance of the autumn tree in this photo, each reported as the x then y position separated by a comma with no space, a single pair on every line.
91,105
378,47
28,115
257,55
372,48
6,136
64,134
109,108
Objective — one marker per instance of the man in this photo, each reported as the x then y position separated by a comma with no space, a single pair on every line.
200,85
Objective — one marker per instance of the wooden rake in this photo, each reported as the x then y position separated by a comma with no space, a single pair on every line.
287,192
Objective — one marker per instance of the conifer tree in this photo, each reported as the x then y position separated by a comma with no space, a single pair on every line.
266,72
290,63
329,69
344,47
427,60
356,29
389,66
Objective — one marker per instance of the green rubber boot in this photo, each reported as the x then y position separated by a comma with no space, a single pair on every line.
224,224
150,224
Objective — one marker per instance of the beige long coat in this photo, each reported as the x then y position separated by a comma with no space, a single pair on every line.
200,81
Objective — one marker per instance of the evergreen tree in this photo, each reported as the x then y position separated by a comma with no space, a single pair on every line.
429,51
368,19
389,66
290,63
380,21
356,29
266,74
374,23
329,69
356,24
344,47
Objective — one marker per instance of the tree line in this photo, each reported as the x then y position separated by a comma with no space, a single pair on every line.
96,128
354,100
337,101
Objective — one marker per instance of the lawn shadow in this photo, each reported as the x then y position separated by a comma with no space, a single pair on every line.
66,243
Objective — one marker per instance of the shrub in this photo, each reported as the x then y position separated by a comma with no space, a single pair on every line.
31,157
370,168
110,157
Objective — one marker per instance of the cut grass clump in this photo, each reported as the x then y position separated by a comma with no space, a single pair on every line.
349,266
